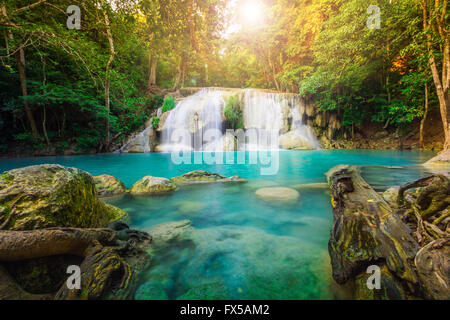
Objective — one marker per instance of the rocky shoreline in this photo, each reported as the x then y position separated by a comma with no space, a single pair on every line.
52,216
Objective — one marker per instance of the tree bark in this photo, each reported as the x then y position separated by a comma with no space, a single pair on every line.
441,84
21,245
365,230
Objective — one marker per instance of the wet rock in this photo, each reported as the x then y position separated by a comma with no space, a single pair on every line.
153,185
108,186
278,194
47,196
200,176
294,141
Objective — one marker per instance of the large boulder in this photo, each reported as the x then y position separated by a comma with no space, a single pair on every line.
108,186
278,194
294,141
200,176
153,185
45,196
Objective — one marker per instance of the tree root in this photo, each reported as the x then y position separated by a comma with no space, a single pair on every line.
21,245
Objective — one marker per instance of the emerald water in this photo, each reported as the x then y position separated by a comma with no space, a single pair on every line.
239,246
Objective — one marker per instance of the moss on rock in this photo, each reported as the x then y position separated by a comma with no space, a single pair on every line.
108,186
200,176
153,185
50,195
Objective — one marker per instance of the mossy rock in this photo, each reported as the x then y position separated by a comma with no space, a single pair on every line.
46,196
200,176
153,185
108,186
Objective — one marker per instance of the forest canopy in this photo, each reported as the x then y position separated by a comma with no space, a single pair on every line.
90,84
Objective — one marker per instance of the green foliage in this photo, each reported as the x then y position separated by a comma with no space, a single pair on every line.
168,104
233,113
155,122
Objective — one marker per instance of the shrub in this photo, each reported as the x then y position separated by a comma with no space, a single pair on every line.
233,113
168,104
155,122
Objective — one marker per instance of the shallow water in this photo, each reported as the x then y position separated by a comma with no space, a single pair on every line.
239,246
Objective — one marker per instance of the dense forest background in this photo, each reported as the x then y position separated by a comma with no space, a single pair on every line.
87,88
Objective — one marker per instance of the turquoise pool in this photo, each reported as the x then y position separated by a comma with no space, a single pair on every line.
239,246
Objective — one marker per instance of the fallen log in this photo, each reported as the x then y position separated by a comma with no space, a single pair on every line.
366,232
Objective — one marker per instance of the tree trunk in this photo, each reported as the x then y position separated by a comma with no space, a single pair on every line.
20,58
108,71
153,62
424,119
180,72
441,84
365,230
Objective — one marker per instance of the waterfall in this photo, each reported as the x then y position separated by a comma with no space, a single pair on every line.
271,121
280,113
191,119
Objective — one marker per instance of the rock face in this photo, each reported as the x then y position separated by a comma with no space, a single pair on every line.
200,176
108,186
292,141
47,196
153,185
278,194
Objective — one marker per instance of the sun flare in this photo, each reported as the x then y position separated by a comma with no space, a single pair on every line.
251,12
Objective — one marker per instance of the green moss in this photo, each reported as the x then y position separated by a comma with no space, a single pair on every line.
6,177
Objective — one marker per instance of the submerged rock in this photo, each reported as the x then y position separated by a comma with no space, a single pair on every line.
200,176
45,196
165,234
230,262
191,206
278,194
109,186
153,185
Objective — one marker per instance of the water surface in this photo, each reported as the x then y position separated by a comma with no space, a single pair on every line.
239,246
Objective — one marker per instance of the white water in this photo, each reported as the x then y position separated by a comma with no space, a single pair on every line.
196,123
191,118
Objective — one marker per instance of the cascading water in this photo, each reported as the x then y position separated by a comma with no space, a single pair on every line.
195,124
271,120
281,114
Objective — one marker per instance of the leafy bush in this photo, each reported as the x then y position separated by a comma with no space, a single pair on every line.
168,104
155,122
233,113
